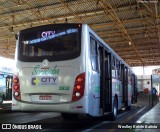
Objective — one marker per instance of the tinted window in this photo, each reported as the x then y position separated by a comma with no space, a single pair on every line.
50,42
94,56
118,69
113,66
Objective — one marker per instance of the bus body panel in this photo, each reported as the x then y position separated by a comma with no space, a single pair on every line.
130,93
95,94
92,78
59,82
117,91
120,105
57,91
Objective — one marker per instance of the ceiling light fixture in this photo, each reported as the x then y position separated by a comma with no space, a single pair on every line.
11,29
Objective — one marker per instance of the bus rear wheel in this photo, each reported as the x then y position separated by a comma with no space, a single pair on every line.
114,113
68,116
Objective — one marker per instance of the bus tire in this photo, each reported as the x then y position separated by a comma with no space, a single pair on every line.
132,99
114,113
128,107
1,98
68,116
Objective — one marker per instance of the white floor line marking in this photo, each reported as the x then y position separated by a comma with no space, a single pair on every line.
90,129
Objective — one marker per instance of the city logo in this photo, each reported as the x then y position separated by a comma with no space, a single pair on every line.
35,81
44,80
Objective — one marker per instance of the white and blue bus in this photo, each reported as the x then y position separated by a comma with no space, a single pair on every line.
68,68
6,81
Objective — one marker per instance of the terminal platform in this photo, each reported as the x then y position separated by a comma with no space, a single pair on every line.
152,116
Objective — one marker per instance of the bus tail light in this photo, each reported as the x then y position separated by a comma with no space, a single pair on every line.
16,88
79,86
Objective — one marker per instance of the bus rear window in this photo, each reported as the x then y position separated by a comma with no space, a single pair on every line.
49,42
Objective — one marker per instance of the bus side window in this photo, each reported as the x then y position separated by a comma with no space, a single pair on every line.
94,54
118,69
129,76
113,66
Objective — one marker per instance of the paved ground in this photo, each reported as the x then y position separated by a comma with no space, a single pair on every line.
144,100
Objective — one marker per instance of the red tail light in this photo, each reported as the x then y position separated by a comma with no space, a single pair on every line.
16,88
79,86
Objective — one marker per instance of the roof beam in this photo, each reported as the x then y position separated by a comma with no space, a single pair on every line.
113,16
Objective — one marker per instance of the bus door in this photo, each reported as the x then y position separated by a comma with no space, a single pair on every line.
9,81
108,82
124,85
134,88
105,80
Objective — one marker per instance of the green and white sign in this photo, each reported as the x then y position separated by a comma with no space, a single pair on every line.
46,71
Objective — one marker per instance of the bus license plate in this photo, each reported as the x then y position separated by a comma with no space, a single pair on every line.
45,97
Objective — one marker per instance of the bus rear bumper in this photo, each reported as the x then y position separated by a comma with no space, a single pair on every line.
71,107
